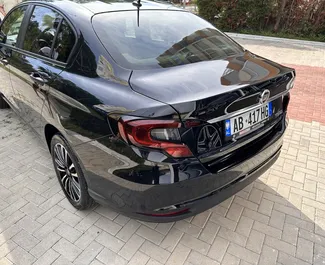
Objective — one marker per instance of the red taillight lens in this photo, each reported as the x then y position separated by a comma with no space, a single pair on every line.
158,134
178,150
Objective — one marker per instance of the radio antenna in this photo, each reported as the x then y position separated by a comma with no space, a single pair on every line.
138,4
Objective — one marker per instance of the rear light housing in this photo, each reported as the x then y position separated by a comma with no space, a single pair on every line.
291,83
286,100
157,134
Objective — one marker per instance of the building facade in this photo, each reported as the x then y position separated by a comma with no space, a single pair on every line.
6,5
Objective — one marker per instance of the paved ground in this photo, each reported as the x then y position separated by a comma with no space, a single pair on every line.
280,219
308,100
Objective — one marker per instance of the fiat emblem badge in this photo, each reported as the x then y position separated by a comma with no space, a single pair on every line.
264,97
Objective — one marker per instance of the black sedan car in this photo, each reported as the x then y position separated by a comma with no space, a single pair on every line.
144,107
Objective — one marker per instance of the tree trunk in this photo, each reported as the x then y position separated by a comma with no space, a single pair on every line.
321,10
280,14
289,15
309,12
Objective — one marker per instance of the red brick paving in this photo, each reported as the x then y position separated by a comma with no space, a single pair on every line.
308,95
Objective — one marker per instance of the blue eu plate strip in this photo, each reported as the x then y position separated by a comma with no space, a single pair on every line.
228,128
270,109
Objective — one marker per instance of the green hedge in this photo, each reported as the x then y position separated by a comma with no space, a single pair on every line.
300,18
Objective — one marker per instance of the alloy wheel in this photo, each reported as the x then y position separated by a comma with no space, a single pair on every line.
67,172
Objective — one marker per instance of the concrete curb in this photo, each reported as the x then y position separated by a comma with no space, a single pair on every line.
283,40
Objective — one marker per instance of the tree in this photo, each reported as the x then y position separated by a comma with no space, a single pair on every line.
302,18
280,14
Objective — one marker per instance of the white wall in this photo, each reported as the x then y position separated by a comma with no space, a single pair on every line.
6,5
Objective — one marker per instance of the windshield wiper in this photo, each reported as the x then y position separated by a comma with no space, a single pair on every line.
138,4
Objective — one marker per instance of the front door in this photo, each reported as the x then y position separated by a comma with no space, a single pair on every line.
8,38
32,69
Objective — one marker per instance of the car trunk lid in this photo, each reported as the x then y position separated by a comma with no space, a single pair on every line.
214,91
203,81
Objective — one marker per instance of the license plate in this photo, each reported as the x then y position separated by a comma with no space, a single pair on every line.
249,120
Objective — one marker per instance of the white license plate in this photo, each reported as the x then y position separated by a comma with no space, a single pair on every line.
245,122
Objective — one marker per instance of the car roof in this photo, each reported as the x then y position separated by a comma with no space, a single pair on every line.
108,5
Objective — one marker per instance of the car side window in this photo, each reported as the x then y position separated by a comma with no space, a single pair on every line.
41,31
64,43
10,27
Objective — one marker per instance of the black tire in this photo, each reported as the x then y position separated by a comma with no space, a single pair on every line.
3,104
58,143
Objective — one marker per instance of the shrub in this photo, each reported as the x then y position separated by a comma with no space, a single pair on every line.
297,17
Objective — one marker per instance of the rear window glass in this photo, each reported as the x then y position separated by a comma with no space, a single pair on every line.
163,39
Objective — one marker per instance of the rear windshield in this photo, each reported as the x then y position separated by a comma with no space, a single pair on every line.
163,39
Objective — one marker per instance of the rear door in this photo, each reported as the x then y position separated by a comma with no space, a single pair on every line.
10,29
38,62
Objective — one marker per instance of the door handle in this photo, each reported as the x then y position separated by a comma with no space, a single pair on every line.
37,78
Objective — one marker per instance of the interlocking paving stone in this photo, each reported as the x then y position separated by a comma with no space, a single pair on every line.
107,256
209,232
20,257
179,255
195,244
218,249
269,256
244,226
89,254
67,249
128,230
230,259
131,247
171,240
243,253
45,244
154,251
110,241
255,241
150,234
25,240
48,258
279,219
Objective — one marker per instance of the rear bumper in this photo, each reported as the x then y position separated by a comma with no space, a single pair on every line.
204,203
193,195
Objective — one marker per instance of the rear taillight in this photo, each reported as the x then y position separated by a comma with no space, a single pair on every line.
291,83
157,134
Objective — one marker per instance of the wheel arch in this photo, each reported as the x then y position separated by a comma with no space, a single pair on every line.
49,132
